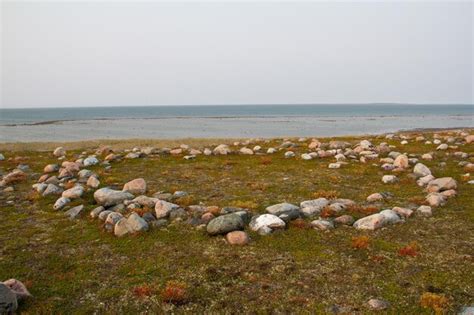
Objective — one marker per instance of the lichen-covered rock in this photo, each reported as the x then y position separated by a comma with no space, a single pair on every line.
74,192
222,149
313,207
73,213
377,220
8,301
108,197
323,225
59,151
224,224
389,179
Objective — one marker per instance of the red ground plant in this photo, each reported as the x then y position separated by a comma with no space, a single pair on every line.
175,293
360,242
409,250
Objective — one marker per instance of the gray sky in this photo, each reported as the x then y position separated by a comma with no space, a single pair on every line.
156,53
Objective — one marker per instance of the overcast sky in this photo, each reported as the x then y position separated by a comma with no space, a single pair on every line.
155,53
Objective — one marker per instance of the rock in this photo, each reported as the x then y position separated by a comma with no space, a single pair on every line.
18,288
423,181
40,187
189,157
163,208
377,304
59,152
136,186
207,217
246,151
74,192
449,193
377,220
224,224
440,184
271,150
222,149
112,218
403,212
177,214
180,193
91,160
146,201
289,154
95,213
344,220
313,207
334,165
111,157
50,168
469,139
104,214
442,146
306,157
375,197
84,173
93,182
421,170
13,177
322,224
266,221
424,211
8,301
122,228
389,179
176,151
108,197
401,161
436,199
61,203
133,155
73,213
427,157
286,209
314,144
371,222
2,157
237,238
52,190
207,151
338,144
137,223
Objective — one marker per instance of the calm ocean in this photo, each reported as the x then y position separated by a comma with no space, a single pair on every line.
70,124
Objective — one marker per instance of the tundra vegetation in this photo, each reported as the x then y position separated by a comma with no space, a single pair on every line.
415,255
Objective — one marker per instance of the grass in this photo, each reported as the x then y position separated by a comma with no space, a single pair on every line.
77,267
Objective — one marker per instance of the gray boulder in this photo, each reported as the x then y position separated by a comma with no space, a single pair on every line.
224,224
108,197
8,302
73,213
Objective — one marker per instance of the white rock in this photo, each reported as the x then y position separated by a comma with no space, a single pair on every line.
222,149
375,197
93,182
306,156
137,223
266,221
246,151
423,181
109,197
334,165
289,154
91,160
403,212
421,170
427,157
442,146
389,179
271,150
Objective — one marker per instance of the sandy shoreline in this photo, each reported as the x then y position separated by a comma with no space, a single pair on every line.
198,142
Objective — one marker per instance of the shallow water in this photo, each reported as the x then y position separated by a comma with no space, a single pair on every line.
68,124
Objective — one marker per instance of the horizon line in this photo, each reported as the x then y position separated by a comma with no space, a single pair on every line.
246,104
